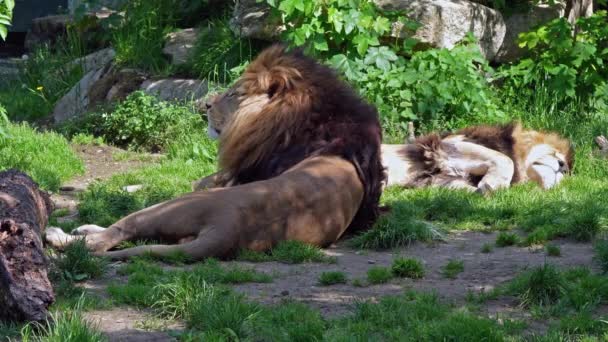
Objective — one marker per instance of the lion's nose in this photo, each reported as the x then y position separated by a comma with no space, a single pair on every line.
208,105
562,166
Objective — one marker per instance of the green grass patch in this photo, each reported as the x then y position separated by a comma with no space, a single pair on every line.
408,268
553,250
332,278
540,286
379,275
486,248
46,157
453,268
67,326
505,239
76,263
289,252
601,254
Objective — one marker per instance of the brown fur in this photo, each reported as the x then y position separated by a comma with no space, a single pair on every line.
428,152
287,107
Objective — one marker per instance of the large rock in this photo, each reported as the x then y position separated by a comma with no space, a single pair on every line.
179,44
76,101
115,85
174,89
446,22
46,30
253,19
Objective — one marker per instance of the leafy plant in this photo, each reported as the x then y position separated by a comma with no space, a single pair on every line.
77,263
408,268
143,122
6,15
505,239
570,66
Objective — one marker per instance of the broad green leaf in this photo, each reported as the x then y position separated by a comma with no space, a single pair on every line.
320,43
3,32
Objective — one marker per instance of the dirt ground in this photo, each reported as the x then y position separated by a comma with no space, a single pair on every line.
482,271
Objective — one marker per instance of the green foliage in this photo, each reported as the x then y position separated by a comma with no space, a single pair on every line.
332,278
542,285
296,252
217,51
486,248
569,66
438,88
87,139
138,37
335,26
505,239
68,326
601,254
453,268
379,275
76,263
6,15
143,122
46,157
289,321
408,268
553,250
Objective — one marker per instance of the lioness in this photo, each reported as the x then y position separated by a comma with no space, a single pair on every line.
480,158
301,151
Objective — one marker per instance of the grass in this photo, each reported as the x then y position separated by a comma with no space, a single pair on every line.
486,248
67,326
540,286
506,239
76,263
379,275
553,250
46,157
453,268
332,278
407,268
601,254
289,252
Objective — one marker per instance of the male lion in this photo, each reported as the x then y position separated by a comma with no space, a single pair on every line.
480,158
301,153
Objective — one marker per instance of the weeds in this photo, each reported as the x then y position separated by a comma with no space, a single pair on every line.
289,252
379,275
553,250
486,248
76,263
505,239
407,268
453,268
332,278
540,286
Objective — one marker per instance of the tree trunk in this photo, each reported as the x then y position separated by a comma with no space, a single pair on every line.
25,290
578,8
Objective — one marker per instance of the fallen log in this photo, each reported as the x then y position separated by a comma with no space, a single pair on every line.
25,290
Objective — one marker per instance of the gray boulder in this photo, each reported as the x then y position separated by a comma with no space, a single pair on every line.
446,22
253,19
178,45
76,101
174,89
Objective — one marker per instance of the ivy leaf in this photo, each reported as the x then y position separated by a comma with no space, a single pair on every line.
381,57
382,25
288,6
3,32
320,43
347,66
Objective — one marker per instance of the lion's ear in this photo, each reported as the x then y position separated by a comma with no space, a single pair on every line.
279,80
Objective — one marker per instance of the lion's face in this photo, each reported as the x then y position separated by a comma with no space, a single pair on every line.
547,165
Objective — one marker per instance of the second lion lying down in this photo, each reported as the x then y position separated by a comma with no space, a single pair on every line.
301,153
480,158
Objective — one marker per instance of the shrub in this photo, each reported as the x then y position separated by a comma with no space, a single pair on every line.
332,278
143,122
379,275
408,268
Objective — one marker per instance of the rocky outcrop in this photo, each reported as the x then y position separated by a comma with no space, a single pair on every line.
174,89
253,19
76,101
444,23
46,30
179,45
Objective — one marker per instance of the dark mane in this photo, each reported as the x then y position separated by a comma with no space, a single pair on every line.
311,112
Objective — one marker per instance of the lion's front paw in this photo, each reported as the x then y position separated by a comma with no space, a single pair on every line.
88,229
57,238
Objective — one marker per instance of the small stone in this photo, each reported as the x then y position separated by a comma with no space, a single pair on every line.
371,262
132,188
285,293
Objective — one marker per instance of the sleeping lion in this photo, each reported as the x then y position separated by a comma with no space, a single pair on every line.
480,158
301,152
